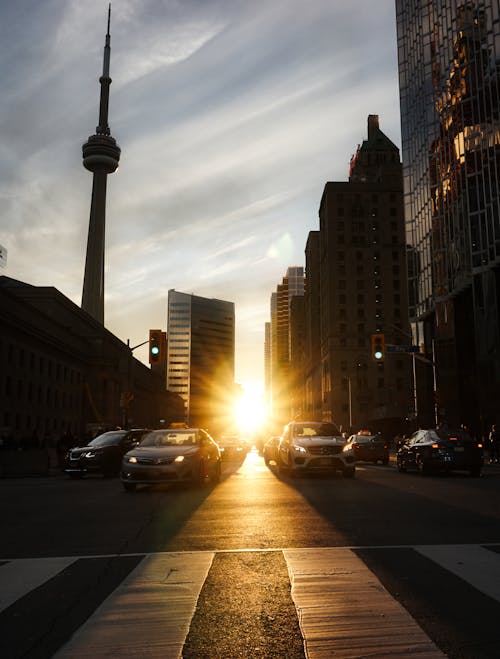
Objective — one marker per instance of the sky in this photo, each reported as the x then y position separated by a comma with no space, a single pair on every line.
231,116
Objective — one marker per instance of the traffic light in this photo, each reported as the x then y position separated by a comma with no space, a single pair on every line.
155,345
378,347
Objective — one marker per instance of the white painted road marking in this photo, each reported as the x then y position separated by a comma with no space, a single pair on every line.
149,614
19,577
344,611
473,563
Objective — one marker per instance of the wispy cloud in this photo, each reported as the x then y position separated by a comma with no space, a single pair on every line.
231,117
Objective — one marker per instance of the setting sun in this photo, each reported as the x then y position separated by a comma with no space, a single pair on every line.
250,409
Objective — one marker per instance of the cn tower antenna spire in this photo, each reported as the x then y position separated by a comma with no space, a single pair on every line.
105,80
101,155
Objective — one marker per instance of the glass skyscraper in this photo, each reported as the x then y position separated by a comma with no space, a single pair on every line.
200,357
449,71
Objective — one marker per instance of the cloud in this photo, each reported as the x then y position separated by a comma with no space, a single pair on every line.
231,117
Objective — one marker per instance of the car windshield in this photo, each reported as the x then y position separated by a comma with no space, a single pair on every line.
454,435
229,441
170,438
107,439
364,439
316,430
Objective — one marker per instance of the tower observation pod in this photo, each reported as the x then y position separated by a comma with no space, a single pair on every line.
101,155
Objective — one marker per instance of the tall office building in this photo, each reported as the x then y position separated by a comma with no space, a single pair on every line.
449,71
291,285
101,155
200,358
312,403
361,281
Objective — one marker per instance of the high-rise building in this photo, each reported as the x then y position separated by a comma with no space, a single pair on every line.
200,357
267,365
312,404
291,285
361,282
449,72
101,155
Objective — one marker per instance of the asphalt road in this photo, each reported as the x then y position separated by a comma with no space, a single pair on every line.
246,520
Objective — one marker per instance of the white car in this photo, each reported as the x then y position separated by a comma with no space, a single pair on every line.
311,446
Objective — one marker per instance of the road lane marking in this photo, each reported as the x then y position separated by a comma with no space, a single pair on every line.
149,614
22,575
472,563
344,610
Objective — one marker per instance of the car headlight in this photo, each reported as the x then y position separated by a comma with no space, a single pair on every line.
346,449
299,449
179,458
89,454
132,459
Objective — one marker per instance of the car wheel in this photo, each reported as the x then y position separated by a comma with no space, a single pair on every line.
129,487
282,467
216,473
349,472
202,479
423,467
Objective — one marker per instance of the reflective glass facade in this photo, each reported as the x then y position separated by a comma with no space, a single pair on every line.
200,356
449,70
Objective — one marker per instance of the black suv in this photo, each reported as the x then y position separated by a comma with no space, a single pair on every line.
429,451
103,454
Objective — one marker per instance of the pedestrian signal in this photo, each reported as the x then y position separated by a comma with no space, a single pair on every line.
378,347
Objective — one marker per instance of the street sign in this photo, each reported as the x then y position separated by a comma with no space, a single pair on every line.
395,348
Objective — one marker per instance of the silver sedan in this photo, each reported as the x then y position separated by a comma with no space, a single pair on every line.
172,455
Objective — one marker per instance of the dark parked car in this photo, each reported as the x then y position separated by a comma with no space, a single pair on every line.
172,455
270,449
369,448
429,451
103,454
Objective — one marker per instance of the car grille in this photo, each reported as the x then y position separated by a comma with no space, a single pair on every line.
155,461
324,450
325,463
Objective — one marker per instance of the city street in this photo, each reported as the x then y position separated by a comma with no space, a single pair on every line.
427,548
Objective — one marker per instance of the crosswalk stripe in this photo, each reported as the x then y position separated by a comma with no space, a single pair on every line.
23,575
342,607
473,563
345,611
149,614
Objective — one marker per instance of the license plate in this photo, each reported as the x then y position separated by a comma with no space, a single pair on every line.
458,449
325,462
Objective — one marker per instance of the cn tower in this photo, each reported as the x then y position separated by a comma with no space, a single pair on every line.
101,155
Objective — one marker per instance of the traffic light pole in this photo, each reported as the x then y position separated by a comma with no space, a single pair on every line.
129,394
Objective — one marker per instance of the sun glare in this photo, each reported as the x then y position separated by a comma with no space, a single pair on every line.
250,409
